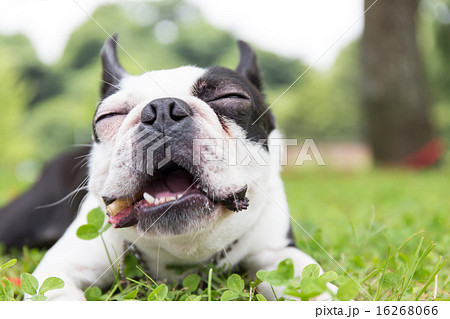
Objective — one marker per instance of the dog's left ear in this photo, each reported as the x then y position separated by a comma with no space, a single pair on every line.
247,64
113,72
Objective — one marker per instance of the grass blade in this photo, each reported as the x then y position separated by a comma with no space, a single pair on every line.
410,271
210,273
139,283
148,277
416,261
438,268
380,284
370,275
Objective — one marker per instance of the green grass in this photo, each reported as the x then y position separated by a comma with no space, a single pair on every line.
387,229
357,216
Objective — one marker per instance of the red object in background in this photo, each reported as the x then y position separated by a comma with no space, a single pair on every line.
14,281
428,155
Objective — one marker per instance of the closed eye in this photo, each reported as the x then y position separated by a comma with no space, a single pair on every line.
108,115
230,96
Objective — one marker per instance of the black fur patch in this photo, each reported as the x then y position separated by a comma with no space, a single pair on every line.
244,105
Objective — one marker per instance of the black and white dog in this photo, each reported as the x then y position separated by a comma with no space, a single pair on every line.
159,170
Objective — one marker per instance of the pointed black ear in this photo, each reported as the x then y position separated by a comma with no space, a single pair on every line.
247,64
113,72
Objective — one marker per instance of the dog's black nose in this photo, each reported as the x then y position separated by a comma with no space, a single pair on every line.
165,112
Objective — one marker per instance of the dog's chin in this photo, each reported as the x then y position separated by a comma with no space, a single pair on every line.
171,202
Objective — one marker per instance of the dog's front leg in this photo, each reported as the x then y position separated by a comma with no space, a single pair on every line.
80,263
269,260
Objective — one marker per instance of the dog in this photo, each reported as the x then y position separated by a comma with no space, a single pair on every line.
158,170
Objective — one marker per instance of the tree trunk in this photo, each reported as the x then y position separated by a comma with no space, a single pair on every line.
395,99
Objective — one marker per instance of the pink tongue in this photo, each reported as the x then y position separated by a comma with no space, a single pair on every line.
122,214
174,183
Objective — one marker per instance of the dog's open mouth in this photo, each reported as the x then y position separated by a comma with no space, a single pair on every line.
172,191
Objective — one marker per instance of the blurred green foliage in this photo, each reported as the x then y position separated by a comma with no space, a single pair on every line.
15,144
434,38
45,109
324,104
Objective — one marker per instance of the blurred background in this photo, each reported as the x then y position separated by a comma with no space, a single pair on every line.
373,93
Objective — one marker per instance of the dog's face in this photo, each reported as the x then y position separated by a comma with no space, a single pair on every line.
173,148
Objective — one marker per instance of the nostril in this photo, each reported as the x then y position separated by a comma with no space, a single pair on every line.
148,114
177,112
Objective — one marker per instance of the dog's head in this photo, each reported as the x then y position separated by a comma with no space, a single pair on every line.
174,149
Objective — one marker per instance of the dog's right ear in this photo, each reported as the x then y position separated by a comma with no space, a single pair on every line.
113,72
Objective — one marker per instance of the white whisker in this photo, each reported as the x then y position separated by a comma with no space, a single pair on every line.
62,199
79,188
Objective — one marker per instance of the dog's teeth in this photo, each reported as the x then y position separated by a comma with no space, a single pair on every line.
149,198
162,200
171,198
179,196
156,201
